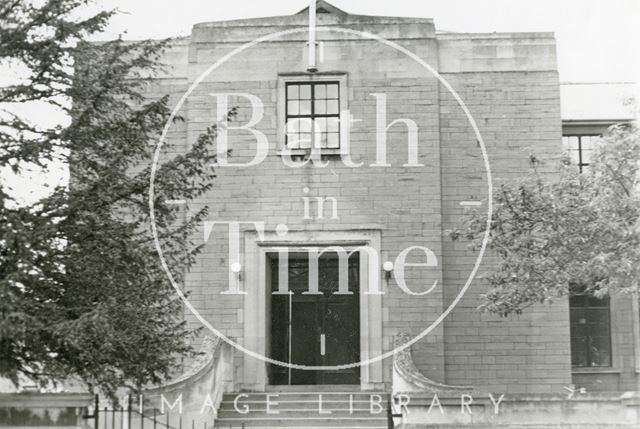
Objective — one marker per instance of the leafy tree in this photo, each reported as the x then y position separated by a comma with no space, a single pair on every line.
82,292
575,233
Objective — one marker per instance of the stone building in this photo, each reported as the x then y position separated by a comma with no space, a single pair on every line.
347,167
392,201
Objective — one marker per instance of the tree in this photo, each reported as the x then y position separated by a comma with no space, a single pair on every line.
82,291
575,233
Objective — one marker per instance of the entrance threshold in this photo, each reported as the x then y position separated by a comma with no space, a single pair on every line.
315,388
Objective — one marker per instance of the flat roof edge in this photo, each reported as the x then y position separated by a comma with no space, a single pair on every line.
506,35
277,21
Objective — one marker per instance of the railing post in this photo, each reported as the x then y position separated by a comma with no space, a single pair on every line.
390,414
96,410
129,412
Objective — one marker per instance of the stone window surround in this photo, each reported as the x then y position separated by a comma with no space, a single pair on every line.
254,374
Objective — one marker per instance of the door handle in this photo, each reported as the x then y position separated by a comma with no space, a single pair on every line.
322,345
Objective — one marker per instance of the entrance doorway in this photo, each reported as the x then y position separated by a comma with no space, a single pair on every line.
321,329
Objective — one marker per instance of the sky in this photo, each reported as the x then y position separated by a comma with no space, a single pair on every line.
597,40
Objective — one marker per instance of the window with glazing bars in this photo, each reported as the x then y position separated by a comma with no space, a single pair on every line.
313,115
580,148
590,331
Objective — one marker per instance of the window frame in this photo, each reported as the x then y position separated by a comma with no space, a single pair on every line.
312,111
611,349
344,96
635,328
581,165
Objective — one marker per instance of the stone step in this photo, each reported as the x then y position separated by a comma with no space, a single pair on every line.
300,409
303,422
311,404
314,388
304,396
234,425
306,412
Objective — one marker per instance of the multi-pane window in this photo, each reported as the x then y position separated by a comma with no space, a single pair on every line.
590,331
580,148
313,115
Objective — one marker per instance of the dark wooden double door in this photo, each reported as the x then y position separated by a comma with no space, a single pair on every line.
315,329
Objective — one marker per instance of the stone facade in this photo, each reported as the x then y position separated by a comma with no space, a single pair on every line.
509,82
